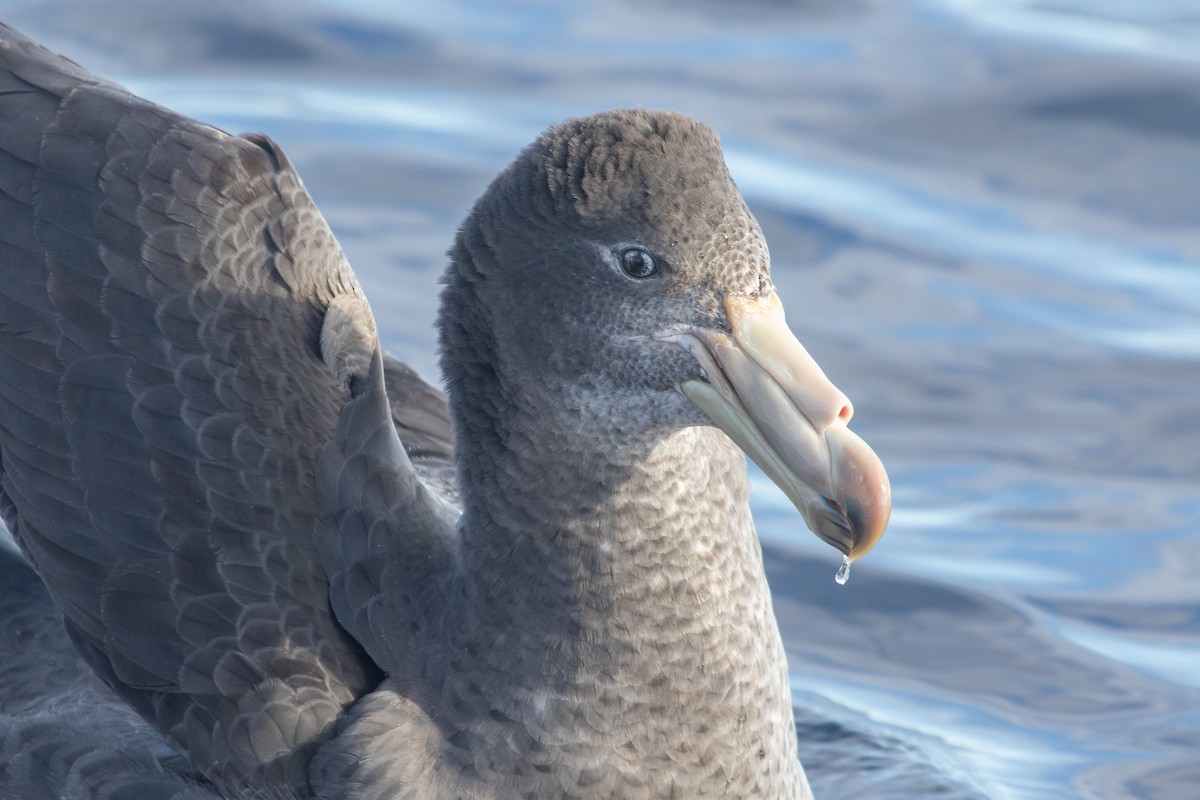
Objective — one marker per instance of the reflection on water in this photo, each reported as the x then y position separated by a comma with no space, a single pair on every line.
1150,29
982,216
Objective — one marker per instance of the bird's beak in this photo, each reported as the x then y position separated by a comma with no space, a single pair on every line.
768,394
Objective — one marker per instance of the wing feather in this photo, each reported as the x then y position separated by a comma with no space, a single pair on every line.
164,401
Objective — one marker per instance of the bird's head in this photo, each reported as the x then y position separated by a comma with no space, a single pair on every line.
613,279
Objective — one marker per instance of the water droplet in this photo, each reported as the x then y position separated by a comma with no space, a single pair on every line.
843,573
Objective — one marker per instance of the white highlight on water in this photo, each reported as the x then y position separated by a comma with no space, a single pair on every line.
843,573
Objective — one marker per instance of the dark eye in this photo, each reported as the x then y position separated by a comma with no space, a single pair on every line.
637,263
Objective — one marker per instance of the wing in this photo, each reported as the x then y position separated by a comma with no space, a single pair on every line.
422,420
179,334
61,734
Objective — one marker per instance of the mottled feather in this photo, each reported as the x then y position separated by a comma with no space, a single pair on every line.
154,461
248,515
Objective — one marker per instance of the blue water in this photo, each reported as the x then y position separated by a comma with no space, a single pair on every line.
984,223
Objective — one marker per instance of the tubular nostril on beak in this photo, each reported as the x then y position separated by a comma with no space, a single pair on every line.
846,413
822,404
835,412
825,405
758,330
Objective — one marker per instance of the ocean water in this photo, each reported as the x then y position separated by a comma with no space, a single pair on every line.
984,218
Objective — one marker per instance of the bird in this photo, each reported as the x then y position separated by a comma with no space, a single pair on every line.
259,557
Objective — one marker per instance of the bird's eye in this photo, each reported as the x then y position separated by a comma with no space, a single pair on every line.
637,263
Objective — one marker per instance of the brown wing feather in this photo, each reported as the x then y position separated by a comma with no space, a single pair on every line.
163,403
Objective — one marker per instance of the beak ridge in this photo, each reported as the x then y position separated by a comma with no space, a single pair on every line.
772,398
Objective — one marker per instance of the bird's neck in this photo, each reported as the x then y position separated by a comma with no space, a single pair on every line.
616,606
611,605
614,563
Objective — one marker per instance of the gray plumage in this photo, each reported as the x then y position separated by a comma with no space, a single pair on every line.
249,517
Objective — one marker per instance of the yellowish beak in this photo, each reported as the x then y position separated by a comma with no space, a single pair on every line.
766,392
